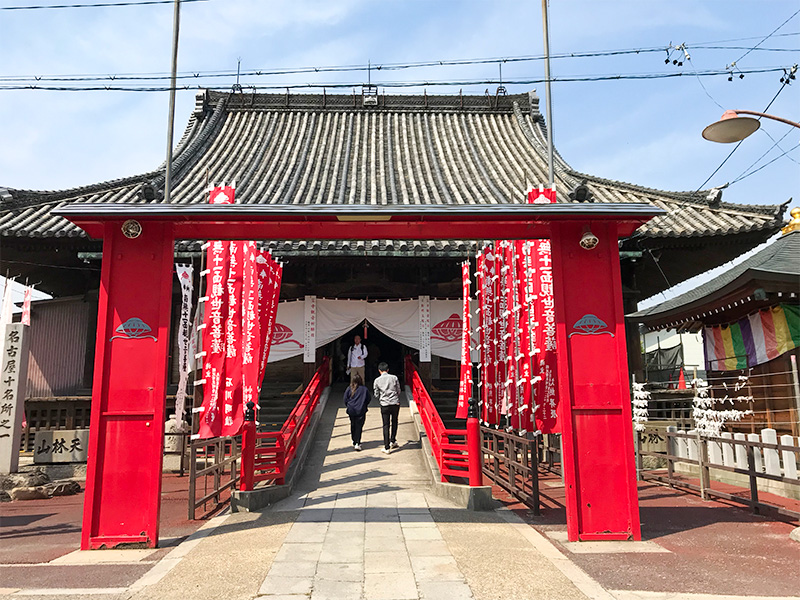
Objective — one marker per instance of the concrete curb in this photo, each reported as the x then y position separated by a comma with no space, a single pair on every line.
471,498
264,496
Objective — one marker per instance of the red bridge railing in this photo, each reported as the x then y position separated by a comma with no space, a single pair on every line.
448,446
266,456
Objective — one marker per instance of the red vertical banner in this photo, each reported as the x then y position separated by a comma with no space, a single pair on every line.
511,334
251,328
524,351
546,389
488,346
214,340
496,335
232,414
214,323
265,291
465,385
269,286
501,328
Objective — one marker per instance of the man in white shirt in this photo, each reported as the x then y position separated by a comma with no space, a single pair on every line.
356,356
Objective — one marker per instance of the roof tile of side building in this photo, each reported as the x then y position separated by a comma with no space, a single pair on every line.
331,149
782,257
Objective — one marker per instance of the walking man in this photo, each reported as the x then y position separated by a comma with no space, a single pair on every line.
387,392
355,359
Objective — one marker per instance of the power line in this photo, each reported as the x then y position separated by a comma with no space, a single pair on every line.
702,85
747,39
351,68
745,175
100,5
779,141
766,38
392,84
763,155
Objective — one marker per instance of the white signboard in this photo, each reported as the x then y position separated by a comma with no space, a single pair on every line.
13,379
60,446
425,329
310,329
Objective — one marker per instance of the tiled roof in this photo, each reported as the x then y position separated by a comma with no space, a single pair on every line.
309,149
286,248
781,260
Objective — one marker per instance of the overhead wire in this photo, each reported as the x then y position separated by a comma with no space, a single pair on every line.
746,175
98,5
345,68
767,37
702,85
392,84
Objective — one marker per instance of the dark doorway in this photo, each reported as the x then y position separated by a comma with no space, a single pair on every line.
381,348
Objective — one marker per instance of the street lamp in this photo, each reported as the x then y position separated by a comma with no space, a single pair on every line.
734,128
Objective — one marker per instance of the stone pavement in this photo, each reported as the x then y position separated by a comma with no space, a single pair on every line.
367,527
360,526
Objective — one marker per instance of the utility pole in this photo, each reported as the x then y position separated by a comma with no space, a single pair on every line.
548,98
176,19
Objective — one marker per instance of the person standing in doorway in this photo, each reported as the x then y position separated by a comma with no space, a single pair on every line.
387,392
356,399
355,359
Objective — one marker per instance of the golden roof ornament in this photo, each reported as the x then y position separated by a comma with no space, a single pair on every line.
794,224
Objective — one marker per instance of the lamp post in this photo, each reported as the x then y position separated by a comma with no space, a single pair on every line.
734,128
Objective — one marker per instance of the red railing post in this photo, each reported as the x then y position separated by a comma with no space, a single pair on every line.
248,448
474,453
280,461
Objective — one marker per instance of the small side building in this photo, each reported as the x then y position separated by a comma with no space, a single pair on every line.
750,320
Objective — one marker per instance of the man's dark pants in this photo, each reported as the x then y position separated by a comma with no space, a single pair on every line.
389,415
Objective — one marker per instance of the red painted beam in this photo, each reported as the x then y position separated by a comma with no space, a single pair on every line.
355,223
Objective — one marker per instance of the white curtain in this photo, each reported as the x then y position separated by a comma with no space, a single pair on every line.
398,319
337,317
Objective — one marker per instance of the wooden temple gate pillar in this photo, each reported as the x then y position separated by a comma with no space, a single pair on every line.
126,438
594,394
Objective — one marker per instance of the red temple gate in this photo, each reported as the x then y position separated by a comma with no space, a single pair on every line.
126,439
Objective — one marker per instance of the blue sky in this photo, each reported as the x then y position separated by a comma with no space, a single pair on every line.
644,132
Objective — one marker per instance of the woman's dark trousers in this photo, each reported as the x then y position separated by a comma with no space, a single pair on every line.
389,415
356,427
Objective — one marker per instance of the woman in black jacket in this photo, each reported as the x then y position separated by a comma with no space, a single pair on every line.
356,399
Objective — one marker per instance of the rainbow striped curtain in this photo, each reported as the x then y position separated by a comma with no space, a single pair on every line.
753,340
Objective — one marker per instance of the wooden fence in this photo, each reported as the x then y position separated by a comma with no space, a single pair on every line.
213,473
511,462
751,456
